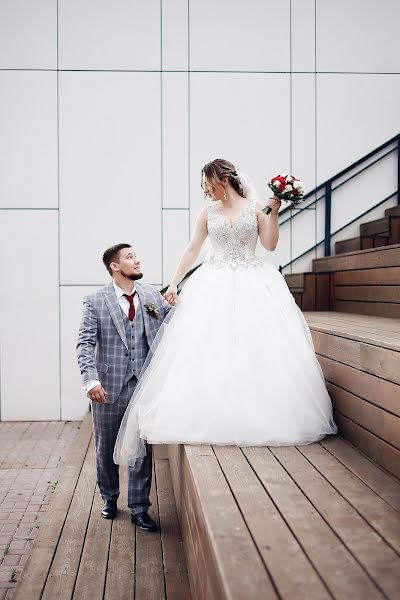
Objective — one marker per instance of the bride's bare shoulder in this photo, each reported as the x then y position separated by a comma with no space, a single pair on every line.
202,215
259,207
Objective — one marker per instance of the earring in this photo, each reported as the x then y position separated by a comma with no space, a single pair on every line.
225,194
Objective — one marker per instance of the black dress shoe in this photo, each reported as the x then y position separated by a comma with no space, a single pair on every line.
109,510
143,521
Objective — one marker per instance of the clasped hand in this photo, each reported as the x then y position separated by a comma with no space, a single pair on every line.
171,295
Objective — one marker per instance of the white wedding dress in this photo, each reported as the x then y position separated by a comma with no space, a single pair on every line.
234,362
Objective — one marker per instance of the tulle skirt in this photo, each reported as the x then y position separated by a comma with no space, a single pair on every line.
233,363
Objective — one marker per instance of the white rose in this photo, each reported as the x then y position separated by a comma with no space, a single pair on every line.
297,184
277,184
288,188
289,179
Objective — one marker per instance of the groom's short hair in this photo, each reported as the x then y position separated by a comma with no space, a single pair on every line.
112,255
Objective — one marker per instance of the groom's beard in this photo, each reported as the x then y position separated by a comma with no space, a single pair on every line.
132,276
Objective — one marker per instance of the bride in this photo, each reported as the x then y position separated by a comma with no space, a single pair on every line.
234,361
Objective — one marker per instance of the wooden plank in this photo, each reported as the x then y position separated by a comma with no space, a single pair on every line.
310,292
380,392
64,569
293,578
230,544
206,578
382,309
377,557
388,256
34,575
354,321
324,549
348,245
295,280
175,569
375,227
376,331
175,456
298,298
120,578
380,451
374,419
93,564
362,333
161,451
323,300
373,476
375,511
368,293
372,359
393,211
149,584
395,230
381,240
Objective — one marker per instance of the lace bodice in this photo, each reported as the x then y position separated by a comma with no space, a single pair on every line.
235,244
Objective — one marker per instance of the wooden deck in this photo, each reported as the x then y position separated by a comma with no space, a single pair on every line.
302,523
79,555
360,358
308,522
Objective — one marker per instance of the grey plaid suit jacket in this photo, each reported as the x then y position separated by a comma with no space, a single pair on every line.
102,345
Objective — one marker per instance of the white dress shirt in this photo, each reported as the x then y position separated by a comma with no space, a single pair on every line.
124,304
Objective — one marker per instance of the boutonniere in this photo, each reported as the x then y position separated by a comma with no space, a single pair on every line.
151,310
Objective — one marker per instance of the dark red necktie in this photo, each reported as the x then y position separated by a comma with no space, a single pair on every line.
131,314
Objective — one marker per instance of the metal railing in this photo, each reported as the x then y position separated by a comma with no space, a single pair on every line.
328,187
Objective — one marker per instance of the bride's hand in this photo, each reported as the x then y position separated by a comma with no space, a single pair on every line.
274,203
171,295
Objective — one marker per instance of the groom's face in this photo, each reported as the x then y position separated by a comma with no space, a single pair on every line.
129,264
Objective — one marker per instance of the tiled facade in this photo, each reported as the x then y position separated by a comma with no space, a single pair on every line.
108,112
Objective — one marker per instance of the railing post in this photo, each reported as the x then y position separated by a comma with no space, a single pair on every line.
328,198
398,170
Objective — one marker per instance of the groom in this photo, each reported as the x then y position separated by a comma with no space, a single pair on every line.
119,323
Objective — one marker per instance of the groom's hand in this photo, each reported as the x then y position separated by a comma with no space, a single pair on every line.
98,394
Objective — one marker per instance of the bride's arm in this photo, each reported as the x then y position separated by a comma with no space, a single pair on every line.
189,256
268,226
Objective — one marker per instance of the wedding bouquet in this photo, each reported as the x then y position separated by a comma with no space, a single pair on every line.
287,188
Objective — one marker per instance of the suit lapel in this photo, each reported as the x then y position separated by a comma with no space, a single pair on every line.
141,292
115,311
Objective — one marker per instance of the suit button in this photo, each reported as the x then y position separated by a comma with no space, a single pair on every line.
133,348
126,354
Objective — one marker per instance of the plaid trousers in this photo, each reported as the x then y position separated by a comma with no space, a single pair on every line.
106,422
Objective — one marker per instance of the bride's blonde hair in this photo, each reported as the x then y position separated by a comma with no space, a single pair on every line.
216,171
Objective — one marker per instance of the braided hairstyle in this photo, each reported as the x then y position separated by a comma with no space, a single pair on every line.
217,170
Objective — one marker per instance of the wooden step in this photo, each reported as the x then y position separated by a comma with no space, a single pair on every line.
222,557
393,212
296,280
368,293
311,291
360,358
323,506
377,227
388,227
352,244
387,256
377,276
